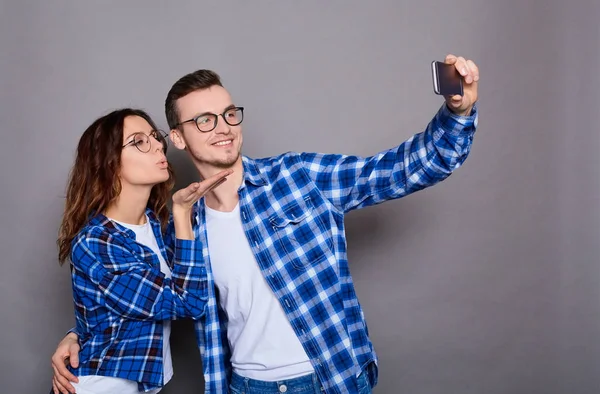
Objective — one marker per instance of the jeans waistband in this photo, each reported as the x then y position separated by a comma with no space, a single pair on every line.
290,385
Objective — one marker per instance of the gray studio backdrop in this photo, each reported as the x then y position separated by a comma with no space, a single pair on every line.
487,283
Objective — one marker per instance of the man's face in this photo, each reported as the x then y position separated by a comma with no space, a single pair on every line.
220,147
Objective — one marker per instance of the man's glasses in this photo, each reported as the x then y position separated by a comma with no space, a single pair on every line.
208,122
143,143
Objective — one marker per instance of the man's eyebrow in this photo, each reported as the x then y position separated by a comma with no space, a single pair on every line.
230,106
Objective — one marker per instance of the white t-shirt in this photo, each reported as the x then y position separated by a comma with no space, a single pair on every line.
95,384
263,343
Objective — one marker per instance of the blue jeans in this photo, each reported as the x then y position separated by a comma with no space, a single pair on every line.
308,384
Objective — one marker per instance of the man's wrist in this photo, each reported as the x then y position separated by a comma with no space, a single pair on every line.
73,335
457,112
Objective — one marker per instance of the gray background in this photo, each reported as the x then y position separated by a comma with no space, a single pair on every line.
487,283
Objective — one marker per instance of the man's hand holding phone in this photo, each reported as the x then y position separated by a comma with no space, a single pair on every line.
457,80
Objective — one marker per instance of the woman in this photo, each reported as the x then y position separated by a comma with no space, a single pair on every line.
128,281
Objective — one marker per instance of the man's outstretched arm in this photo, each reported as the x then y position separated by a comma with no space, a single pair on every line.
425,159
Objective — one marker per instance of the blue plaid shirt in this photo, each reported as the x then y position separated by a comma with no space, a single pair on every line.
292,208
121,298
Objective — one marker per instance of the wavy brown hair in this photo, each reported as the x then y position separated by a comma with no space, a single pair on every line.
94,179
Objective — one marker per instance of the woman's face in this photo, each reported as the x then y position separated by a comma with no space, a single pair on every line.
139,168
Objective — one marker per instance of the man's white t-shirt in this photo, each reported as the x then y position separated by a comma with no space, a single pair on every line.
263,343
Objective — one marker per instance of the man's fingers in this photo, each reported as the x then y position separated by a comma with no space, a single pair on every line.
74,361
466,68
58,389
74,355
454,101
473,69
61,371
450,59
62,383
461,66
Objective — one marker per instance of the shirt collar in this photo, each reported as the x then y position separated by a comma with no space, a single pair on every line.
252,173
100,219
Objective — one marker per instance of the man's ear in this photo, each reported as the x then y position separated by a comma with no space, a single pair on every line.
176,137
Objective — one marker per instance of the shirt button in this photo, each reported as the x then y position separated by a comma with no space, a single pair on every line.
282,388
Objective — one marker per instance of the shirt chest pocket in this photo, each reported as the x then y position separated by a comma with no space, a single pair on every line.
301,234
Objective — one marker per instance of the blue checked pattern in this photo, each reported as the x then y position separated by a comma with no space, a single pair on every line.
292,208
121,298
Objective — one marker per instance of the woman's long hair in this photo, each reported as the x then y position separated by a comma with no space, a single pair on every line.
94,179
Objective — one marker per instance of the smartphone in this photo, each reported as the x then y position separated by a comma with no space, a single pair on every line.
446,79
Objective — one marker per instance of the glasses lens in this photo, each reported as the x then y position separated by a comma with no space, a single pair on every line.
234,116
142,142
206,122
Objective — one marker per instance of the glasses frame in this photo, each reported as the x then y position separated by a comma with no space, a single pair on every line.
216,116
158,132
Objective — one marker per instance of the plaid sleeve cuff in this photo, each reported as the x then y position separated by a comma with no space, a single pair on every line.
457,124
188,253
73,330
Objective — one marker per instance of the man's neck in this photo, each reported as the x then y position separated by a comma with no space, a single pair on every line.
130,205
225,196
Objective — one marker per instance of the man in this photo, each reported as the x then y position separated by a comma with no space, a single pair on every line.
282,310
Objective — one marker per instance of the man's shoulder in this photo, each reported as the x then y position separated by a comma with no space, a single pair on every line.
287,166
273,161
